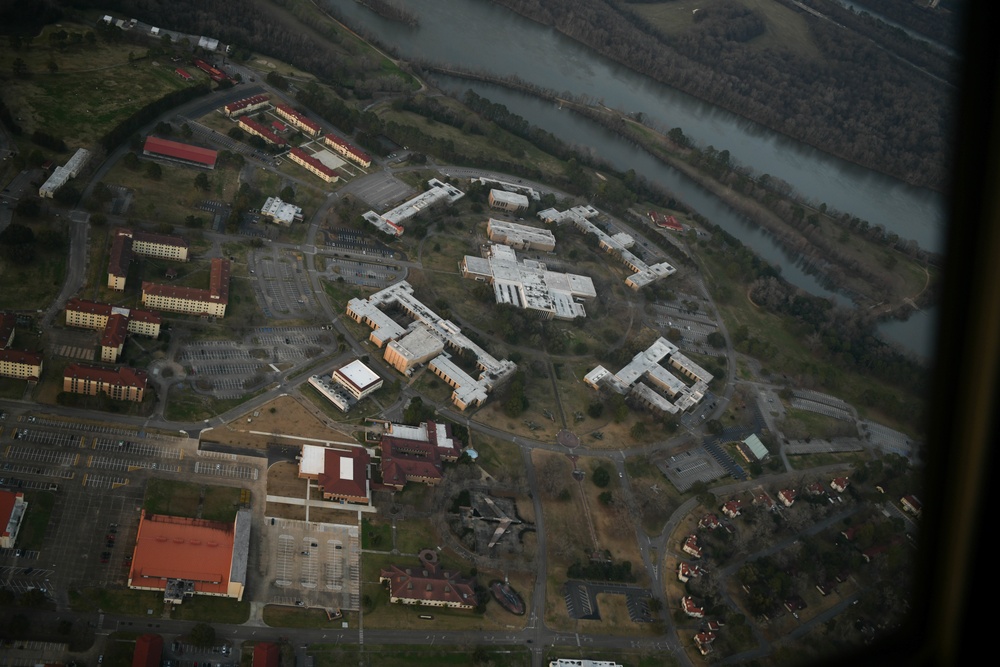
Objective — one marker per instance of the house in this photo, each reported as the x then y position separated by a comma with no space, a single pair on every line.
764,500
787,497
732,508
912,505
689,607
816,489
691,546
686,571
709,521
839,484
703,640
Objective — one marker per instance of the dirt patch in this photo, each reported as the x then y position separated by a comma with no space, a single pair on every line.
345,516
283,480
284,416
282,511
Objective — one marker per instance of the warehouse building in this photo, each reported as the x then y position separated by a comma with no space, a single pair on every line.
176,151
62,174
391,222
184,557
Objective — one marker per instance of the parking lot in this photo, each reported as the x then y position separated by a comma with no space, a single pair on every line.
581,600
281,283
382,191
314,565
695,465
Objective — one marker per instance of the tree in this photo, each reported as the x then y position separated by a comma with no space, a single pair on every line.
186,131
601,477
716,339
154,171
202,634
638,430
19,67
287,194
201,182
18,243
131,161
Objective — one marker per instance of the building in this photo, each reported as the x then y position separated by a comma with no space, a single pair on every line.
520,237
300,157
94,315
191,300
840,484
184,557
176,151
912,505
618,245
497,184
468,390
428,586
121,383
280,212
732,508
246,105
12,509
391,222
297,120
20,365
676,396
578,662
266,654
689,607
691,546
126,243
340,474
752,449
529,285
183,74
357,379
148,651
348,150
113,338
787,497
62,174
418,346
331,391
511,202
256,129
417,453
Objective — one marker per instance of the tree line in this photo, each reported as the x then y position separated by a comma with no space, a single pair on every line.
857,101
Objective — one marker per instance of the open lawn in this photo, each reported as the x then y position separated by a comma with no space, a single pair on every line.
92,89
173,196
375,655
284,415
117,601
208,609
33,284
786,29
36,519
278,616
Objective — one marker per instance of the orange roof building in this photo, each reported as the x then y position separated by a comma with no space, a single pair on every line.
184,557
192,300
148,651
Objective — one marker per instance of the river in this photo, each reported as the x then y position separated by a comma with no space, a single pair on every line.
478,34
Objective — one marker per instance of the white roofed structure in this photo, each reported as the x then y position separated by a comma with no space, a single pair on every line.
521,237
529,284
391,222
674,395
281,212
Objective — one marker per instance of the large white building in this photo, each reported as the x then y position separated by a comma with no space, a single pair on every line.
521,237
677,396
617,245
391,222
529,284
281,212
436,334
357,379
62,174
512,202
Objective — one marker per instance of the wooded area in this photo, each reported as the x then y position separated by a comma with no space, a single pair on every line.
862,100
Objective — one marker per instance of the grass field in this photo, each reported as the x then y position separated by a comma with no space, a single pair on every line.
92,90
173,197
176,498
35,284
117,601
375,655
786,29
36,519
208,609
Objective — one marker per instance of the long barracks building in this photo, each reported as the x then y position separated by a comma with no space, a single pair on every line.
300,157
350,151
297,120
128,243
191,300
113,322
122,383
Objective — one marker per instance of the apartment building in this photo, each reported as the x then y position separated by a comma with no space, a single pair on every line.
121,383
191,300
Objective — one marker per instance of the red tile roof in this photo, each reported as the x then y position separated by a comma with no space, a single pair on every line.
427,584
349,483
148,651
114,331
176,149
259,129
283,108
350,148
245,102
7,501
218,291
403,458
265,654
21,357
313,162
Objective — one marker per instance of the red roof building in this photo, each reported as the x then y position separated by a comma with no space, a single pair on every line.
732,508
253,127
691,609
302,158
787,497
175,150
182,74
265,654
297,120
428,586
20,364
113,338
709,521
839,484
246,105
12,508
122,383
192,300
348,150
184,557
148,651
345,475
